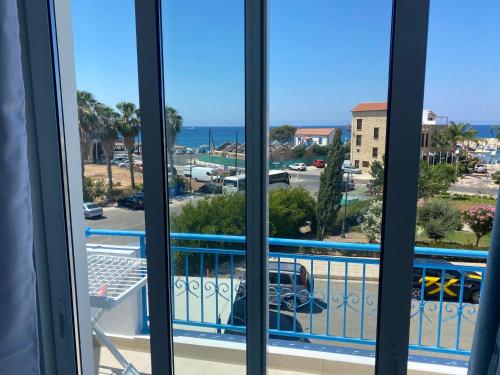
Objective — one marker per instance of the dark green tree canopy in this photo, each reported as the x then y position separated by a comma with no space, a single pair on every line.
283,133
330,187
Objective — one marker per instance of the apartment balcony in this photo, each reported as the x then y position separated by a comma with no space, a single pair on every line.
322,316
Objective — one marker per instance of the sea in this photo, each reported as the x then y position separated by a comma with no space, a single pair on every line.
196,136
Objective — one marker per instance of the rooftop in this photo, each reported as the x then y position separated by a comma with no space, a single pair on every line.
362,107
314,131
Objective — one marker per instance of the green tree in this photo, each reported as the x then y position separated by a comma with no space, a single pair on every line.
442,139
128,126
480,220
299,151
87,122
289,210
372,222
377,173
461,132
438,218
435,179
283,134
330,187
107,134
93,189
174,126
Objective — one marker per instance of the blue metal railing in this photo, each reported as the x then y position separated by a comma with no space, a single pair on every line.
340,304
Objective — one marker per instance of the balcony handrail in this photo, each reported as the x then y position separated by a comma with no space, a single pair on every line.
362,247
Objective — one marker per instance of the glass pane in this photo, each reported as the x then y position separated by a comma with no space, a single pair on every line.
204,91
328,113
110,144
457,189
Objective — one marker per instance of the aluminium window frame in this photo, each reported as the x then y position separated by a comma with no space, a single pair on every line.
402,162
60,182
59,245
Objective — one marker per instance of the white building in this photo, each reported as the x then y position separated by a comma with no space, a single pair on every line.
310,136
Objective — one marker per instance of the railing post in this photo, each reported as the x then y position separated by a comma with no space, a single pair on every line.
144,302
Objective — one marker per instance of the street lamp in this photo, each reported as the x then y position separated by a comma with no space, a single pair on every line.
457,153
342,234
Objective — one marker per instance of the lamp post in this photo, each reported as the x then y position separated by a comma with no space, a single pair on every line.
190,174
342,234
457,152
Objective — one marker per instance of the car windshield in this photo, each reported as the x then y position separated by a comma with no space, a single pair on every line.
232,183
92,205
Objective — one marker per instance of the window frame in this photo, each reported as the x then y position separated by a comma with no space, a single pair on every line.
60,183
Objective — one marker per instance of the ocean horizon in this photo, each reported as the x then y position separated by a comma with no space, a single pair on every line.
196,136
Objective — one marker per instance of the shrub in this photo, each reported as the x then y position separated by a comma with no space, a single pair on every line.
372,221
479,219
438,218
354,212
435,179
496,177
93,189
299,151
289,210
320,150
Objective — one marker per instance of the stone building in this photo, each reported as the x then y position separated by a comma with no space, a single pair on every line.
368,133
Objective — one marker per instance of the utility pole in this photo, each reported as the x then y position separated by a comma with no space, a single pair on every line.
344,229
236,156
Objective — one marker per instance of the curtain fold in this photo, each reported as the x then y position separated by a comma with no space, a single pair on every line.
19,351
486,345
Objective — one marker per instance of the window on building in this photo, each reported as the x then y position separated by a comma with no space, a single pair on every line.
366,164
375,133
375,152
358,140
422,140
359,124
426,139
356,163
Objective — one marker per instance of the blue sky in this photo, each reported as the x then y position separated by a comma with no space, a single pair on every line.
325,56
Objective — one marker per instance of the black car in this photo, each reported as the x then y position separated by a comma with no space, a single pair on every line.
451,284
287,322
135,201
211,188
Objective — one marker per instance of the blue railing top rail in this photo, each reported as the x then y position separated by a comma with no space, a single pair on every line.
463,253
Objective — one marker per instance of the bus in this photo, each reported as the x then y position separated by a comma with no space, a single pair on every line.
277,179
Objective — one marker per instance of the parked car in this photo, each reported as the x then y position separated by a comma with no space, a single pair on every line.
289,274
287,323
298,167
480,168
452,281
351,170
189,151
319,163
117,161
135,201
91,210
180,151
211,188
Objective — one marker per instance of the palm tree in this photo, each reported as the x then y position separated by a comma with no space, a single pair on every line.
174,125
87,122
107,134
442,139
128,126
461,132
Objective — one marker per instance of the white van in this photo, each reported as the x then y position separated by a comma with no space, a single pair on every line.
204,174
233,184
277,180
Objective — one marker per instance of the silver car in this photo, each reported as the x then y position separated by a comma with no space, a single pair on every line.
91,210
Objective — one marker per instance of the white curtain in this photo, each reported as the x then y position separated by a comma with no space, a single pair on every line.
19,353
